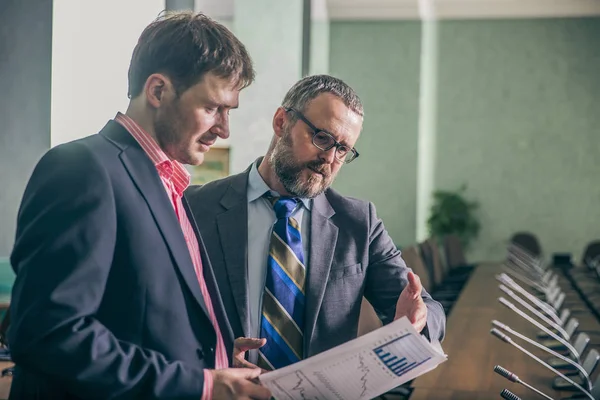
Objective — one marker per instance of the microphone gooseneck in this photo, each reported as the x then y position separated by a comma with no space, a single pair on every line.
512,307
507,339
506,328
514,378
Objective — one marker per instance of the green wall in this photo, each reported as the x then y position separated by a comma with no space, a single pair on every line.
380,60
518,121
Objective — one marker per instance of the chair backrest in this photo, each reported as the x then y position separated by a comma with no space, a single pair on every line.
581,342
596,388
455,256
368,320
591,252
438,266
413,260
528,241
431,256
572,326
591,361
564,315
442,256
559,301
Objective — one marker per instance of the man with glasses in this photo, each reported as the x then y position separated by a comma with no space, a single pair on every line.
293,257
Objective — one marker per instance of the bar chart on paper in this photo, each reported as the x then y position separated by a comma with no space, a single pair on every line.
402,355
360,369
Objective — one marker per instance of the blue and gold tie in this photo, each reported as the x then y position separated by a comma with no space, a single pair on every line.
282,320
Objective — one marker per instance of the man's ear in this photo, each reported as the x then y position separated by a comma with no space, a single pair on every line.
157,88
279,120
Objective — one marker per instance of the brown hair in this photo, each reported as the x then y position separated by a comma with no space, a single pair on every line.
184,46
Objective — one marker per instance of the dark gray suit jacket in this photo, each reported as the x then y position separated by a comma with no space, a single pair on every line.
106,303
351,255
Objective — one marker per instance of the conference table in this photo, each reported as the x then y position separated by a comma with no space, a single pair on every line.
473,352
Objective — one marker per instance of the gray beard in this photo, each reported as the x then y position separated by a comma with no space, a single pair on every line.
289,173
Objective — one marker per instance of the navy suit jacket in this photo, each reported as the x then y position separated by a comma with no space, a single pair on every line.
106,303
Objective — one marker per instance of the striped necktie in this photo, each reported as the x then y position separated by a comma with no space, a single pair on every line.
282,319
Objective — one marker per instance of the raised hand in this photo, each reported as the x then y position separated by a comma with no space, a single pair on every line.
410,303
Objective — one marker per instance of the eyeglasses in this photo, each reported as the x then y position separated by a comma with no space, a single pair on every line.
324,141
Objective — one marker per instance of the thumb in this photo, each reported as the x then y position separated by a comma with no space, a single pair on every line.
414,286
245,344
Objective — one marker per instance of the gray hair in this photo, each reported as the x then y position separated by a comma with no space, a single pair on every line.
310,87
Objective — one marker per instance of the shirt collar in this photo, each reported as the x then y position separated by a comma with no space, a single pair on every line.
167,168
257,187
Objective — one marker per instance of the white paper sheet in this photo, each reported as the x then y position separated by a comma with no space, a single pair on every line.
360,369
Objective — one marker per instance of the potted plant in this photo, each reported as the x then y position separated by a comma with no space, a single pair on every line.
452,214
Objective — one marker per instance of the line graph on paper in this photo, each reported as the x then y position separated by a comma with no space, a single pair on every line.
361,369
373,368
402,355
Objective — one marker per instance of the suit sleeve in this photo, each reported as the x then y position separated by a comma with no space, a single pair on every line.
387,277
65,241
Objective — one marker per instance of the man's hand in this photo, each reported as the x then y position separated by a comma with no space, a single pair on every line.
410,303
241,346
235,383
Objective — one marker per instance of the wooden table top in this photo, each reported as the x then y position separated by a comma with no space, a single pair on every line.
473,351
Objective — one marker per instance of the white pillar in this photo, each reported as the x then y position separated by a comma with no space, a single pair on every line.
92,43
271,30
319,38
427,116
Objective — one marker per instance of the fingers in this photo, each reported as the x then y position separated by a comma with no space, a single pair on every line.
418,318
244,344
239,383
245,372
255,391
414,284
250,389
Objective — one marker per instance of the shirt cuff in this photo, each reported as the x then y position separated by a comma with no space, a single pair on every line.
207,389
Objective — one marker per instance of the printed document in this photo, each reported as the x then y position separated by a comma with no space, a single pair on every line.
363,368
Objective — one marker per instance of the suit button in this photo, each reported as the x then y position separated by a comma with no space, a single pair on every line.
200,353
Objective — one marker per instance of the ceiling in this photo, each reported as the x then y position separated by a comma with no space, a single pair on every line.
445,9
461,9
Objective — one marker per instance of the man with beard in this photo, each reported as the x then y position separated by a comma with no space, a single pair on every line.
114,295
293,257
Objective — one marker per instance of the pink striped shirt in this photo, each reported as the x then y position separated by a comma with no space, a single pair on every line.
176,179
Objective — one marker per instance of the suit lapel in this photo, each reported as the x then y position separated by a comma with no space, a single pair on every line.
211,283
323,237
232,225
146,178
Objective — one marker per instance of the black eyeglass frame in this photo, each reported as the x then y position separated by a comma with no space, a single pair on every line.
316,131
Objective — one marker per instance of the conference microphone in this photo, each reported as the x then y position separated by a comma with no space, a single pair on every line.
514,378
547,308
507,339
517,251
532,275
506,328
530,261
525,280
530,264
507,394
538,314
568,345
523,267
